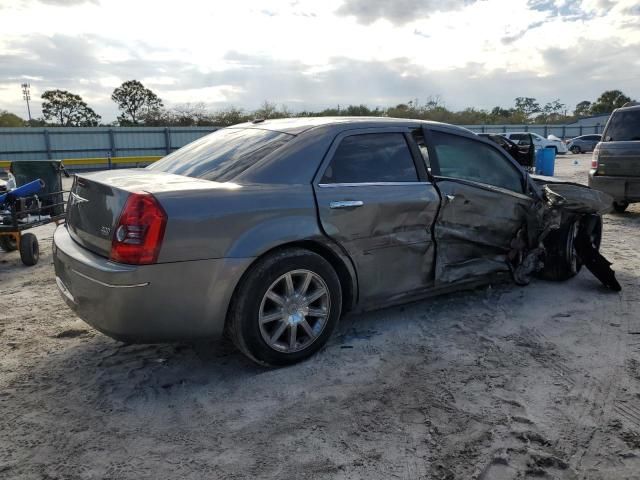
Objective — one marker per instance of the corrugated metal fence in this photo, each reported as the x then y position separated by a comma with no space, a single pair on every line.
560,131
97,146
106,147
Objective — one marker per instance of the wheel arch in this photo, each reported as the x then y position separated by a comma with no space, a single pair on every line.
340,263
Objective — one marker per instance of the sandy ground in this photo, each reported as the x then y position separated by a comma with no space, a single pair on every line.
499,383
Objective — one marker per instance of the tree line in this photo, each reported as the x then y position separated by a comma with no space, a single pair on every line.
139,105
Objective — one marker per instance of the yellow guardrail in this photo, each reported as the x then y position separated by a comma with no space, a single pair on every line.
78,162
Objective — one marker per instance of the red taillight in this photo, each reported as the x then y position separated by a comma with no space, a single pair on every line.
594,158
138,235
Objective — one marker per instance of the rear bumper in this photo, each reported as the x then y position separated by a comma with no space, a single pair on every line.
151,303
622,189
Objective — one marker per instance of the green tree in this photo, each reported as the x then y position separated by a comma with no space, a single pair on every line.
554,107
528,106
582,108
231,116
68,109
135,101
8,119
609,101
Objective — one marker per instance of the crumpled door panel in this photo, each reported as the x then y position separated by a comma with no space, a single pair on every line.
474,230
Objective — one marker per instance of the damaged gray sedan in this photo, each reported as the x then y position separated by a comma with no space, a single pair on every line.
269,231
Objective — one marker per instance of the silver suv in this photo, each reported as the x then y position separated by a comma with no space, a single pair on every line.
615,167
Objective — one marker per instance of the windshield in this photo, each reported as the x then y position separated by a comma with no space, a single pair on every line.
623,126
222,155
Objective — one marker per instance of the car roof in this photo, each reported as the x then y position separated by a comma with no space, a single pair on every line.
298,125
630,108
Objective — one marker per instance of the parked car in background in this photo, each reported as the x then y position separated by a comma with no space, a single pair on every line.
523,152
583,143
270,230
538,140
615,166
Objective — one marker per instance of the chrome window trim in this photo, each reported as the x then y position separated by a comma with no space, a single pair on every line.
486,186
371,184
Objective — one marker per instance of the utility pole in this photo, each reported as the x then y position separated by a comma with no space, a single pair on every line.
26,95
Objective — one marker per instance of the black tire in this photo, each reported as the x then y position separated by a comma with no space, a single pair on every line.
561,261
8,243
29,249
576,149
243,326
620,207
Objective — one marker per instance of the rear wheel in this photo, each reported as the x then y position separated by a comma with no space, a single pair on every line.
8,243
285,308
29,249
620,207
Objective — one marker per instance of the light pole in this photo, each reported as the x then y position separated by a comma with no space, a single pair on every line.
26,95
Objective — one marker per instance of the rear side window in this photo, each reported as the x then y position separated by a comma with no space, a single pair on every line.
376,157
467,159
222,155
623,126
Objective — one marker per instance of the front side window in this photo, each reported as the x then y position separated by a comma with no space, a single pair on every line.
223,154
375,157
466,159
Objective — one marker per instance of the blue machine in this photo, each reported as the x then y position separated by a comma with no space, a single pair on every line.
26,190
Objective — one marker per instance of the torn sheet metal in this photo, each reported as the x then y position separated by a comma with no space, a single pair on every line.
474,230
563,202
577,198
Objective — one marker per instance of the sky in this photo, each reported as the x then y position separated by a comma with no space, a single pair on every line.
314,54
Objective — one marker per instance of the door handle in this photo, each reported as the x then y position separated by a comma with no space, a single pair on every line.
346,204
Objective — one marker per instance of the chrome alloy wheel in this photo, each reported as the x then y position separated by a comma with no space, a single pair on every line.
294,311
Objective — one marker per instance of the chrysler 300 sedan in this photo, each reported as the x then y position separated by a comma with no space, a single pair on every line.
268,231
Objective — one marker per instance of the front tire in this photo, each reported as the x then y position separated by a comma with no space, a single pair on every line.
561,260
285,308
576,149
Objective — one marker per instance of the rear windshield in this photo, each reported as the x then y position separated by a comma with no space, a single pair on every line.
623,126
222,155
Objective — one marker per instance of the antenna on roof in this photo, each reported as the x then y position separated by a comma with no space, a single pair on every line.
257,120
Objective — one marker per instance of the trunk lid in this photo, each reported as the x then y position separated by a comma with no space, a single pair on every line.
97,200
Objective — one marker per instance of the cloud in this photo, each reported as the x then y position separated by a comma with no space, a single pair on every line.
397,12
245,79
75,63
68,3
509,39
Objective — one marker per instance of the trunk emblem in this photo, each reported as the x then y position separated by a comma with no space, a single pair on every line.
105,231
77,199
